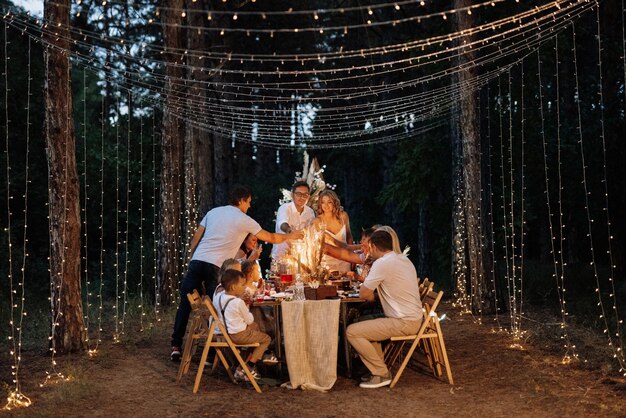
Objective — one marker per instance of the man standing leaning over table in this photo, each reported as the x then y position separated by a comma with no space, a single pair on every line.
293,215
217,238
395,278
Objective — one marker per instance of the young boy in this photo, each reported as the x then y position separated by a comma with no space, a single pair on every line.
238,320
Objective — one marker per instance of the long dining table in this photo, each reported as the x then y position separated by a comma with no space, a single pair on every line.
306,315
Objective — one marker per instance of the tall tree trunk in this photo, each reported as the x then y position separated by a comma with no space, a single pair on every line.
68,330
171,166
470,140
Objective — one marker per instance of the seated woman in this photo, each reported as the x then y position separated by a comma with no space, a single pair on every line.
337,225
250,250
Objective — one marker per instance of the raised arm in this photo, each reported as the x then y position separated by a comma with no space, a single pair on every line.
275,238
342,254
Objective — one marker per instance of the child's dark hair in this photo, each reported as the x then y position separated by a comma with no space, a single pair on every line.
230,278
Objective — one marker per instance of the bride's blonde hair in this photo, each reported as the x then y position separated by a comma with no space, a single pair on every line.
335,201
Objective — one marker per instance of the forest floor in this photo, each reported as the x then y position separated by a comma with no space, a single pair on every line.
491,378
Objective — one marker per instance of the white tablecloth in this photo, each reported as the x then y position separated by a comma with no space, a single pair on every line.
311,330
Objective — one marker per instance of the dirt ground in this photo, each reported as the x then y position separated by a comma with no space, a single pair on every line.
490,379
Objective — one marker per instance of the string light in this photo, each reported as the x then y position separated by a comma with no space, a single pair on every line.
155,240
85,257
559,278
618,352
490,214
118,296
15,397
569,346
593,263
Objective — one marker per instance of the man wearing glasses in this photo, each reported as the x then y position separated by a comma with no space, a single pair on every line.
293,215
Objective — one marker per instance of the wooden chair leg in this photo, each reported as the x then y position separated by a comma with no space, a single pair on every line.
187,352
246,370
224,362
444,354
403,365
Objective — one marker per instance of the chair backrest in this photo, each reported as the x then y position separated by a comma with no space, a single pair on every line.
195,300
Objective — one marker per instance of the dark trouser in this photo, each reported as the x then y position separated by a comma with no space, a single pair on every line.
202,277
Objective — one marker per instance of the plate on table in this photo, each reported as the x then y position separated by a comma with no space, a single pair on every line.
278,295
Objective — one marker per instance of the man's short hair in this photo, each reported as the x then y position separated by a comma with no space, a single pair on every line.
382,240
238,193
230,278
300,183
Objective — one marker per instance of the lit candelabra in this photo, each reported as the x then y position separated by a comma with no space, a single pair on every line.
308,252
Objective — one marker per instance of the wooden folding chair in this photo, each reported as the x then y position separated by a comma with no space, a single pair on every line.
198,330
220,342
426,333
425,286
434,347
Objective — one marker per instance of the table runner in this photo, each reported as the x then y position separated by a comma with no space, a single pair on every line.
311,330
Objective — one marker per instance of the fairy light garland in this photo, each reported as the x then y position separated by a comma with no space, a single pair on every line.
155,239
569,347
515,309
490,216
600,304
15,398
503,206
116,316
85,258
618,352
126,216
101,227
142,257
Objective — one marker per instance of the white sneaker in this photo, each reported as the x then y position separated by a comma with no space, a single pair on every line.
376,381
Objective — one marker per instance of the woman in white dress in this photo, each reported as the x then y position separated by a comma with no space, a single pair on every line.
337,224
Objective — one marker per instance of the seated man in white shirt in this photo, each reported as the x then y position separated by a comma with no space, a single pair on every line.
293,215
395,278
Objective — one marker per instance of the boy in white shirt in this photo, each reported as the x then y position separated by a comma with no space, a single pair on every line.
238,320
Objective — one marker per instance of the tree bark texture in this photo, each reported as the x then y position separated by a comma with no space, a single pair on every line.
470,140
68,328
198,142
170,256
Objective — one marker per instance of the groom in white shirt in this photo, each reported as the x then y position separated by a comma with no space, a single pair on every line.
293,215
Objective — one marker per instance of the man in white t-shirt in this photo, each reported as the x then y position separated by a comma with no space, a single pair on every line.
395,278
293,215
217,238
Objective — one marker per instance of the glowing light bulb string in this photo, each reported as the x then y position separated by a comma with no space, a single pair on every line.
618,351
85,258
593,263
